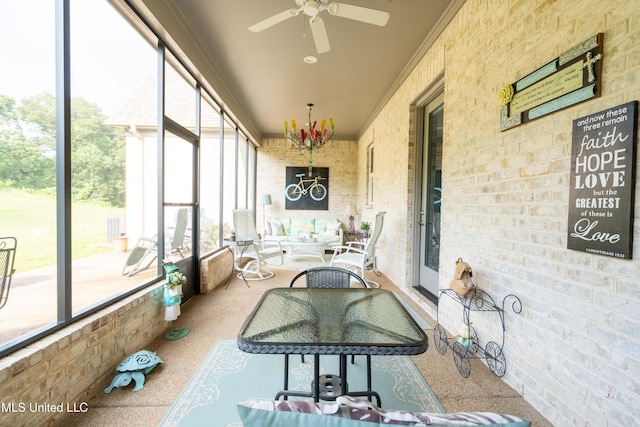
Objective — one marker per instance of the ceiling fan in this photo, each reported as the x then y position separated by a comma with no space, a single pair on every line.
312,9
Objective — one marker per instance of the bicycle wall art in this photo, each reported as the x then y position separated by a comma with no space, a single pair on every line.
304,192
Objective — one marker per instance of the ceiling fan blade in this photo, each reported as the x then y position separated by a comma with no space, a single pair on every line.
357,13
275,19
319,34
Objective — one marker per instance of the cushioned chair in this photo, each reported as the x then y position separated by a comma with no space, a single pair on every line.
244,225
359,254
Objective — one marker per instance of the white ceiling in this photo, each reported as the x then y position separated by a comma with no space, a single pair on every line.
348,83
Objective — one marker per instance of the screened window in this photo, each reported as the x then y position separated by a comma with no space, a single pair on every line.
113,144
180,104
370,175
27,161
251,179
230,176
243,172
211,169
111,189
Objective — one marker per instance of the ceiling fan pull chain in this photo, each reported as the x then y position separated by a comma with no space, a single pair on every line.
304,27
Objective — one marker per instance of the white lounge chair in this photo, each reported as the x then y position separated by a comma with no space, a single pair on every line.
360,254
244,225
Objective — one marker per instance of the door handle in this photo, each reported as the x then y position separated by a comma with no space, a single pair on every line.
421,221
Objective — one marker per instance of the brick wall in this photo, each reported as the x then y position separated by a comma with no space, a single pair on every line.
215,270
573,351
70,365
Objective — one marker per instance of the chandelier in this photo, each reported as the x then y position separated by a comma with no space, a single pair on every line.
311,139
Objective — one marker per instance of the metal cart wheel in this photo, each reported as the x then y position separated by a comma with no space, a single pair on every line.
461,358
495,359
440,339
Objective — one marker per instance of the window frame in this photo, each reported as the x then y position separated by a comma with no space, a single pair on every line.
370,174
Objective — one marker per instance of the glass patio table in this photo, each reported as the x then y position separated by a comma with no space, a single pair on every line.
320,321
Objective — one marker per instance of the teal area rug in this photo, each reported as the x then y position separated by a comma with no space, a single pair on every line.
228,376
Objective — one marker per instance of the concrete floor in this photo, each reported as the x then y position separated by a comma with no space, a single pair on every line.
221,313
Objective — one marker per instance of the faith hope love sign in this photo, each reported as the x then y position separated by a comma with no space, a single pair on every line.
601,205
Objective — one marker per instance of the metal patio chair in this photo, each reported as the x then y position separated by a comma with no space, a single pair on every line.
328,277
7,257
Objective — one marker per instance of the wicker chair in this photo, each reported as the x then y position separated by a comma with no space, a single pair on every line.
329,277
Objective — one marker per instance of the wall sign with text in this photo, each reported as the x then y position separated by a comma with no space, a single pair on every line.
601,198
571,78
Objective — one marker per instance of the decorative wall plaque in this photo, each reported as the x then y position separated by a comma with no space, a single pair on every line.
307,191
601,198
570,79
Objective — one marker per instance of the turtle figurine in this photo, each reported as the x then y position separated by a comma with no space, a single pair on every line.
134,368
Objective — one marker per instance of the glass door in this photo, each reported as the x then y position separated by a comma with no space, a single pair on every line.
179,208
429,218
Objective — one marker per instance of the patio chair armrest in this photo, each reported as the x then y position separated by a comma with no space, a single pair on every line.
355,243
349,248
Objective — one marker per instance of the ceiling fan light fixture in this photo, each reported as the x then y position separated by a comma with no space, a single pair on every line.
310,59
311,7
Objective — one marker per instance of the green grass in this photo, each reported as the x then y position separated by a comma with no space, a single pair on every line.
31,218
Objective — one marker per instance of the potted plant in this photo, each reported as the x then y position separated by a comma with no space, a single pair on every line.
174,280
365,227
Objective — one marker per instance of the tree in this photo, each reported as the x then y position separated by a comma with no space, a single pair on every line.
23,163
28,148
97,155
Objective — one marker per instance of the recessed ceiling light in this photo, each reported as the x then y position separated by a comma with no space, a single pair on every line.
310,59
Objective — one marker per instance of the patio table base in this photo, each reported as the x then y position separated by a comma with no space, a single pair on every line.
328,386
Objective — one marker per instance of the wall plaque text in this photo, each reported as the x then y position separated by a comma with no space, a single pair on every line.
601,198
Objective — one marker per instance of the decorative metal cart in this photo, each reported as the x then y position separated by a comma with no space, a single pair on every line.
464,349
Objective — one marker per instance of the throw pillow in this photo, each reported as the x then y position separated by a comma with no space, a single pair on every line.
276,228
332,227
350,412
328,227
